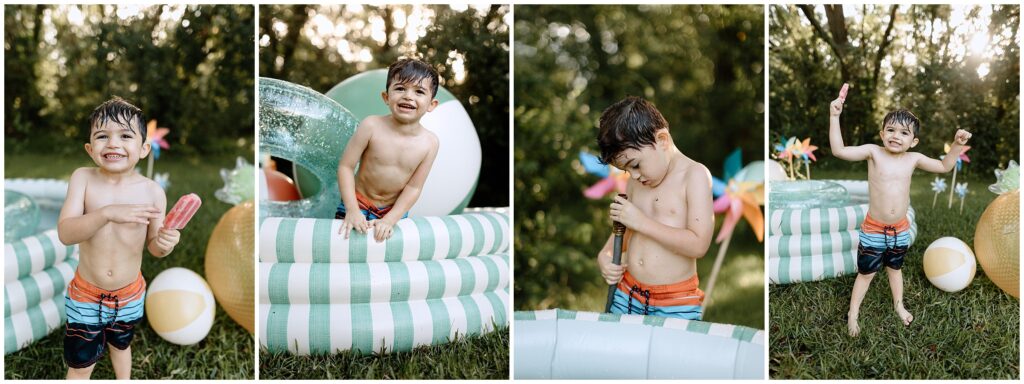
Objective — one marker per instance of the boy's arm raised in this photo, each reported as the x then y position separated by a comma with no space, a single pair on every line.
835,137
692,240
929,164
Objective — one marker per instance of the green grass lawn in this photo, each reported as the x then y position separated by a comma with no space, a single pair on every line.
476,357
971,334
226,353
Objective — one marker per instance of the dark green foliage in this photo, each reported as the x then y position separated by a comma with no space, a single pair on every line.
971,334
702,66
191,68
480,36
933,74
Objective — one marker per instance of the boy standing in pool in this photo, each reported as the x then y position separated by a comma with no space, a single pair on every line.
884,234
112,213
668,214
394,153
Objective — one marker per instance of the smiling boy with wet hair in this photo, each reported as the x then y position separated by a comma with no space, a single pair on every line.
112,213
885,233
668,214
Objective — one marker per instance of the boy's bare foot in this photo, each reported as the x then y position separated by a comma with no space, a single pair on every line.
851,324
904,315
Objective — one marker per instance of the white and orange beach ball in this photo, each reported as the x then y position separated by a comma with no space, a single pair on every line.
949,264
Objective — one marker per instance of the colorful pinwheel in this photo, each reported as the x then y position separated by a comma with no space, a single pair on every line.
959,163
612,180
741,196
155,136
802,151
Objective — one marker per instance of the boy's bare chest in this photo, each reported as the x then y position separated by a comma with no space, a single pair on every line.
97,197
890,171
396,151
666,203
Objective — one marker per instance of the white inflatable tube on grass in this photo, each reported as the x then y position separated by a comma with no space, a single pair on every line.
562,344
321,283
31,290
33,254
307,240
388,326
24,328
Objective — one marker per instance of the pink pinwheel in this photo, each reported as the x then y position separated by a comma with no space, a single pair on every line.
612,179
156,137
742,198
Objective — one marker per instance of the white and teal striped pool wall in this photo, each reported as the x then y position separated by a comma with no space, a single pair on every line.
437,278
37,270
562,344
819,243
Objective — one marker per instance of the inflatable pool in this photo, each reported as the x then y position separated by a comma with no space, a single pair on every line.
37,267
436,278
562,344
813,229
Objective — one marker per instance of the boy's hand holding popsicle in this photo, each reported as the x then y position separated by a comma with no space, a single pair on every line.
176,219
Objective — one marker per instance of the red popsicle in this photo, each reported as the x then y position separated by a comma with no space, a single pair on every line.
842,92
182,212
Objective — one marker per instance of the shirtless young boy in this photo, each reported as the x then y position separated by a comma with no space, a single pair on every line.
884,234
112,212
668,214
394,153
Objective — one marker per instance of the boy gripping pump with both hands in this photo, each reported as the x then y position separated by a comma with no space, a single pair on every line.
394,153
112,212
884,234
668,214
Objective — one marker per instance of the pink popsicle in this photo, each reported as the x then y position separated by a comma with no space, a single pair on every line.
182,212
843,91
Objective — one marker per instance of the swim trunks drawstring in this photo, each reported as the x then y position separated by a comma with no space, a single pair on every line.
885,233
117,305
647,299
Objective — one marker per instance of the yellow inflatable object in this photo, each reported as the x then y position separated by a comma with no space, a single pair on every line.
180,306
949,264
230,263
997,242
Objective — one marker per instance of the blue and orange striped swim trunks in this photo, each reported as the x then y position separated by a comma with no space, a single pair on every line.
882,244
97,317
680,300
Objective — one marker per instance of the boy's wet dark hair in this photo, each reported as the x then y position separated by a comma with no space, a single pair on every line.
628,124
119,111
413,71
903,116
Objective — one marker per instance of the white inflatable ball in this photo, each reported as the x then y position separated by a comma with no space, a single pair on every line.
949,264
180,306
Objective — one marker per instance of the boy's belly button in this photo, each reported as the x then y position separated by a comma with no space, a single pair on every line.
110,273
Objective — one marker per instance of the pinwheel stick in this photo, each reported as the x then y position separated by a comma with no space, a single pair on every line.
618,229
714,275
962,205
953,188
936,197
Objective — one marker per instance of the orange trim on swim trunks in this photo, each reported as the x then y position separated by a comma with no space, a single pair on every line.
365,203
686,292
871,225
83,291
